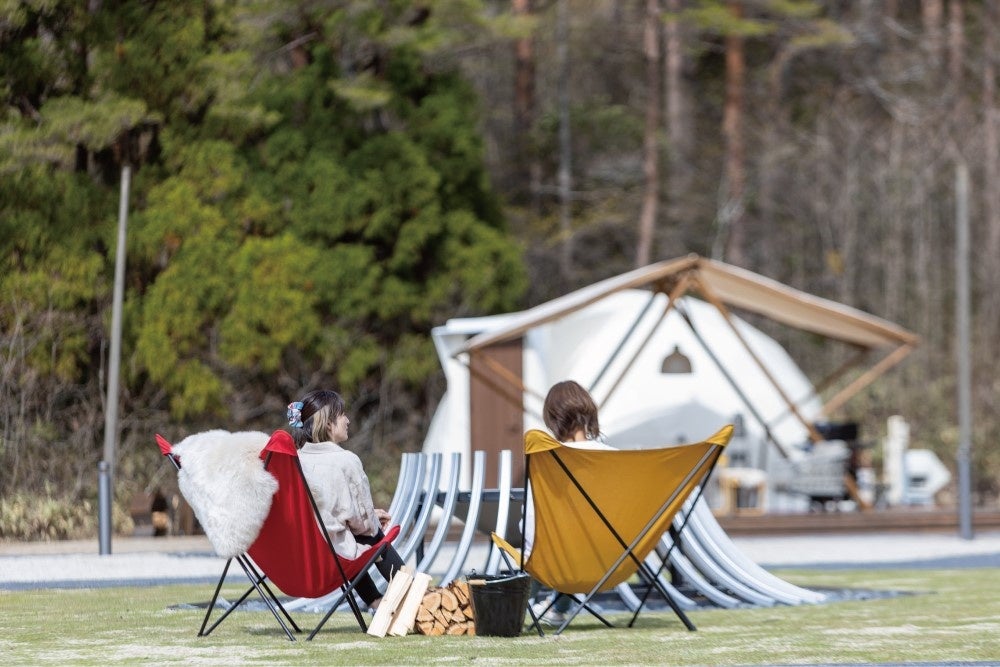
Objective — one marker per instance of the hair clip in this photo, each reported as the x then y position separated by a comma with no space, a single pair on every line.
294,414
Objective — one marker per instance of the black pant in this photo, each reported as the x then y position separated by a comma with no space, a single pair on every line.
386,565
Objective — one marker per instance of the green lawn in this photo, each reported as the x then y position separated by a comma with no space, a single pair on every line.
954,615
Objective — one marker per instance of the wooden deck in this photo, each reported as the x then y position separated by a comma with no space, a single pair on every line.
887,520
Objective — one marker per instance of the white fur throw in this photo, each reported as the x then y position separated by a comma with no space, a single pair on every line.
224,481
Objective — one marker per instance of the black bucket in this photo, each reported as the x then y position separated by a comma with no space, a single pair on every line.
499,603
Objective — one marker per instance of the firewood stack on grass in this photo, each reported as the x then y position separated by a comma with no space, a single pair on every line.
446,610
410,604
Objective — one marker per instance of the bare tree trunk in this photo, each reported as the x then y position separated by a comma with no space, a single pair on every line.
651,148
890,12
565,145
679,132
932,15
956,44
893,246
990,269
843,249
923,257
730,217
673,80
529,171
773,153
890,9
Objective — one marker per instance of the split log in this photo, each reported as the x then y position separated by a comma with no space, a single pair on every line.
446,610
390,603
449,600
405,617
461,591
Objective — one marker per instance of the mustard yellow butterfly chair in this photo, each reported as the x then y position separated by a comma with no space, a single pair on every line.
599,512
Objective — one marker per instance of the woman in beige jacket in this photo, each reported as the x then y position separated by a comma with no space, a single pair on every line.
339,484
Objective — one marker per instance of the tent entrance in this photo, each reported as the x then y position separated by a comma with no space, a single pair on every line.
496,403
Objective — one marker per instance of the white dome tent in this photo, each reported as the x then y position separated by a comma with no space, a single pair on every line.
613,338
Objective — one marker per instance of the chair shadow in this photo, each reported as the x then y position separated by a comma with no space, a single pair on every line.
655,620
265,629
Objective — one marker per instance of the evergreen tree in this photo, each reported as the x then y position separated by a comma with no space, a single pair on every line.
309,200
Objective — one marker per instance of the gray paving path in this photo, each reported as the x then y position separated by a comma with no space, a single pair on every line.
149,561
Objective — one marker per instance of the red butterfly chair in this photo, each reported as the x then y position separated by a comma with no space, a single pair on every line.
292,550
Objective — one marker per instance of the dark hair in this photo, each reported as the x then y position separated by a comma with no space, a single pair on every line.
569,408
320,408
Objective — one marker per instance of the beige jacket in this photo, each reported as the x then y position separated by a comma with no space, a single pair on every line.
340,486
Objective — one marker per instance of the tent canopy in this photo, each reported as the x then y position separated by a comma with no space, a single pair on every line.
730,285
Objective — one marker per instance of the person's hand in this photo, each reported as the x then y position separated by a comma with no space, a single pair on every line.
383,518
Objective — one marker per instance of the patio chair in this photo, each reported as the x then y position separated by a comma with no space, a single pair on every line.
291,550
599,514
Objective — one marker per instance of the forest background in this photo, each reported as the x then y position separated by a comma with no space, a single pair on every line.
318,183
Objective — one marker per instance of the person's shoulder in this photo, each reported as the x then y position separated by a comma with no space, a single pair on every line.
327,450
589,444
349,455
341,455
313,449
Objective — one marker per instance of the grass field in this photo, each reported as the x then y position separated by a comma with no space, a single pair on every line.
952,615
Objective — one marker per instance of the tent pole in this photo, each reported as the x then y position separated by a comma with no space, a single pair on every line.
827,382
507,375
721,307
679,289
866,379
508,380
625,338
839,372
732,383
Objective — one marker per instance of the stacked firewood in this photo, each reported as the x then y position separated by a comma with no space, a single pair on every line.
446,610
